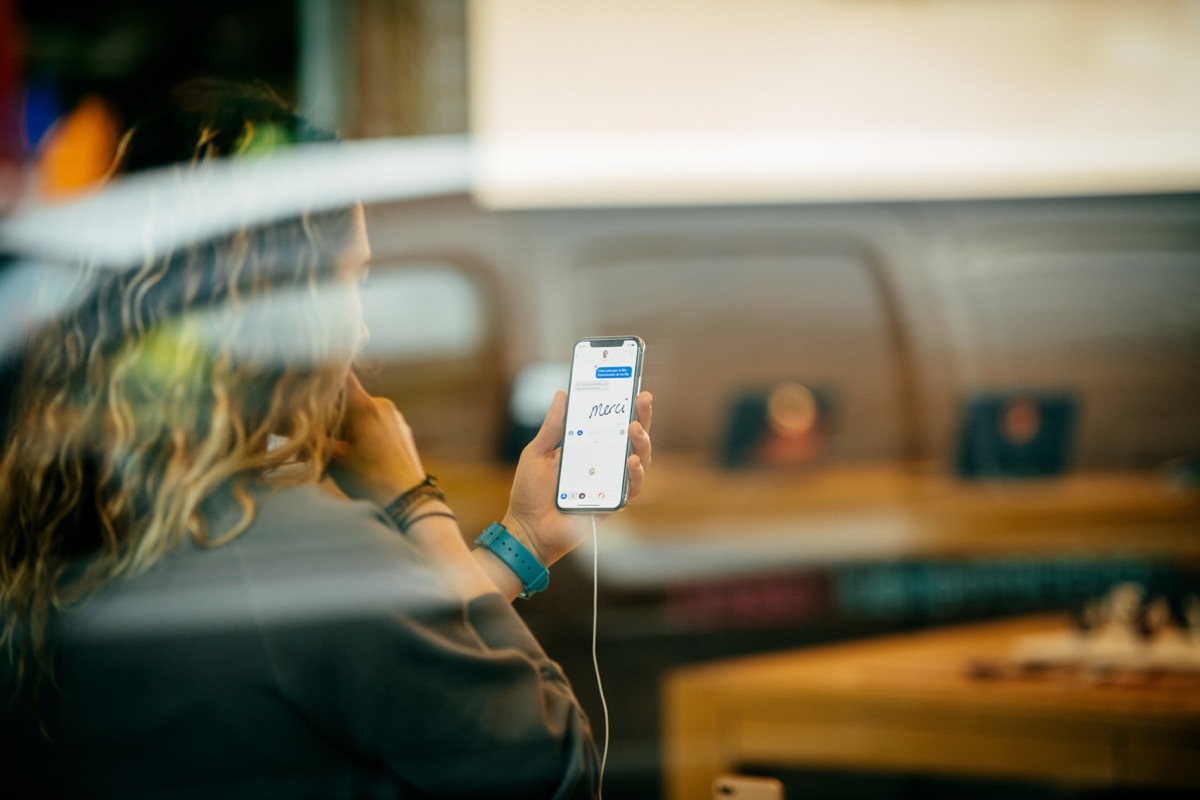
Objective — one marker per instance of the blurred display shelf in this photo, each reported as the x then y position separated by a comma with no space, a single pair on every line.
694,520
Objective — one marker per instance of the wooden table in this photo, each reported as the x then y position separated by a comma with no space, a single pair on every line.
908,703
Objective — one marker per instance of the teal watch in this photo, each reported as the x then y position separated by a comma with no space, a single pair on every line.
533,573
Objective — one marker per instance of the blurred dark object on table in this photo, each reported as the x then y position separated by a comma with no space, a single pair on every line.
1016,435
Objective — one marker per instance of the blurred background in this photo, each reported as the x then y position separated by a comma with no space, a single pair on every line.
919,282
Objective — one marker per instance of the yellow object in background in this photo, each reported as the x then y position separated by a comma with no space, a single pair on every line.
78,150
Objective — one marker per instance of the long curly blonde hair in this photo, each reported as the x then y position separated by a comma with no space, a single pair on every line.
165,391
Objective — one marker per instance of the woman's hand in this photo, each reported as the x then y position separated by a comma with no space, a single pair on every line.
532,514
377,458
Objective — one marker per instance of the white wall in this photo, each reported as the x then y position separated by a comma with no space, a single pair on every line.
684,100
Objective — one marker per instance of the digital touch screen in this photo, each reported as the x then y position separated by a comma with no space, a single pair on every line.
604,380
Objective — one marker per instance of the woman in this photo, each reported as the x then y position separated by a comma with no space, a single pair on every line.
225,571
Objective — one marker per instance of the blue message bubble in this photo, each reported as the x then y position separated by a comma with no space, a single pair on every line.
614,372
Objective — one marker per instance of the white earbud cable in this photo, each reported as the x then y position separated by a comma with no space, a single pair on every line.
595,660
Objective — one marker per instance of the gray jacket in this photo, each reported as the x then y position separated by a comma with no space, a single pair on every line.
314,656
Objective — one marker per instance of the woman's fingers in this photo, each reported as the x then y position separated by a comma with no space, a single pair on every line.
639,437
637,475
645,409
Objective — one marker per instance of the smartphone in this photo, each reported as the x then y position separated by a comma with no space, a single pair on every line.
606,375
745,787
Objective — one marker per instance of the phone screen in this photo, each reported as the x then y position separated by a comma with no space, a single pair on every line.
605,376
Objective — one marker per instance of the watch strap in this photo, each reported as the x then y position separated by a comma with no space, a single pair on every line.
533,574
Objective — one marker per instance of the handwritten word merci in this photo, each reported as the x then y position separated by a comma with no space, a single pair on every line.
607,409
